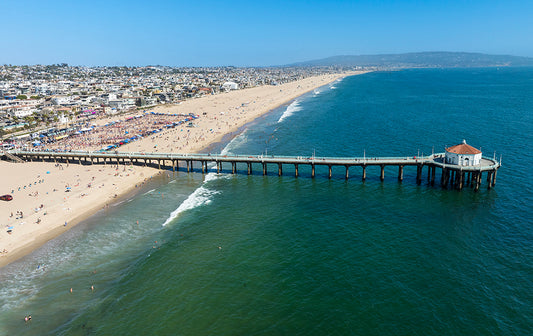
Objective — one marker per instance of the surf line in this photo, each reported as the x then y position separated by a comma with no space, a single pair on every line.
202,195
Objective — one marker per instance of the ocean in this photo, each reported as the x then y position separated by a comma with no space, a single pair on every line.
223,254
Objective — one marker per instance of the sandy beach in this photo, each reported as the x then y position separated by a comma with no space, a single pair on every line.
50,198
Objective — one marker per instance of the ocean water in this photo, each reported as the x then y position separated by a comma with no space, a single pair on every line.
223,254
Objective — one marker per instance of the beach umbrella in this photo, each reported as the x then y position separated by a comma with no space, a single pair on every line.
48,172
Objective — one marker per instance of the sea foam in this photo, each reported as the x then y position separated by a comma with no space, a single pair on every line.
293,107
149,192
202,195
235,143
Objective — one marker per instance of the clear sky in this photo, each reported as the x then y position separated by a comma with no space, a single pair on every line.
254,32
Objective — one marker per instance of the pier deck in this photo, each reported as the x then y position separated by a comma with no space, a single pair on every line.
454,175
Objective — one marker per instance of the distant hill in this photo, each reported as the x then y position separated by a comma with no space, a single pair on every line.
421,59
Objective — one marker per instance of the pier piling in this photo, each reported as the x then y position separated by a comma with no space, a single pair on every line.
419,169
456,176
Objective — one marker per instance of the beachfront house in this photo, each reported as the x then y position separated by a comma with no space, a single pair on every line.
230,86
463,155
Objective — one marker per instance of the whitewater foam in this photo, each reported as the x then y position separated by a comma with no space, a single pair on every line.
235,142
201,196
19,284
149,192
293,107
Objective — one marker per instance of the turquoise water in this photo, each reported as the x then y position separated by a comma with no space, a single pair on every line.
269,255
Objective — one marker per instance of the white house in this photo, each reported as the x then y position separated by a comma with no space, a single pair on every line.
230,86
60,100
463,155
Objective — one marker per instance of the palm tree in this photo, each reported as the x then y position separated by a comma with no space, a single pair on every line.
29,120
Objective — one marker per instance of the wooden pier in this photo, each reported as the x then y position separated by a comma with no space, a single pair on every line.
451,176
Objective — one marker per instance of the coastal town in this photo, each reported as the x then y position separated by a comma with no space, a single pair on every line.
301,168
44,96
62,195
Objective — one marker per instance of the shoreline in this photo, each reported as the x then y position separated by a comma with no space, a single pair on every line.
121,183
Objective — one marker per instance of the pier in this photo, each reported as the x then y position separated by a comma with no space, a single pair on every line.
451,176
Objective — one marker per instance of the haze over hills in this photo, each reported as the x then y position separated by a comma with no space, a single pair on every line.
421,59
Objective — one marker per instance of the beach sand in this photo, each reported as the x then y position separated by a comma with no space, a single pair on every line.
54,197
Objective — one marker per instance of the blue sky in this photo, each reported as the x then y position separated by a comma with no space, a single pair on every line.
253,32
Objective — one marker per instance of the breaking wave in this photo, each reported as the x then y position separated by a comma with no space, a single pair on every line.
293,107
201,196
235,143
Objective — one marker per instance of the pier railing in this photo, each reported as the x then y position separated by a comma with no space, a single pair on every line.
455,175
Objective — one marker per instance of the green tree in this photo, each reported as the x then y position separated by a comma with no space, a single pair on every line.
30,120
22,97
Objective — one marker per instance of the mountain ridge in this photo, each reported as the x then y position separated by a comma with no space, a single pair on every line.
442,59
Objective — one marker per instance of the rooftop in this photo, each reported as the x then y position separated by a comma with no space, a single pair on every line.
463,148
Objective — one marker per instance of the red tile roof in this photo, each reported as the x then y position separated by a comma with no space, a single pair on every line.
463,149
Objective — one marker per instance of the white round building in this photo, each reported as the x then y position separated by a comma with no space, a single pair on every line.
463,155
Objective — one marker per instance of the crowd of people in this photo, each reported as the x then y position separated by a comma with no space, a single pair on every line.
116,133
